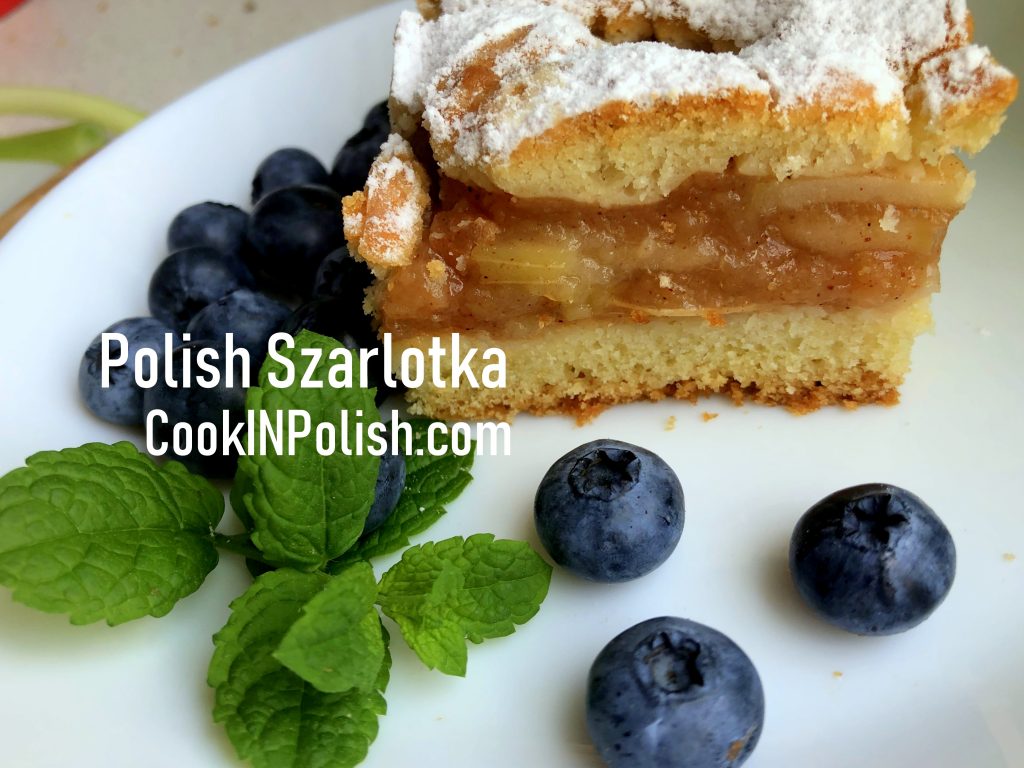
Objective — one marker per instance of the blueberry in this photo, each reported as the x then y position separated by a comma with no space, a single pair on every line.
353,161
121,402
291,231
334,317
609,511
252,317
288,167
390,483
196,404
672,692
378,119
345,321
341,276
873,559
188,280
211,225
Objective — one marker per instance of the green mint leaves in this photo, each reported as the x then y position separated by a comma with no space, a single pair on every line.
274,718
442,594
100,532
300,668
307,509
336,645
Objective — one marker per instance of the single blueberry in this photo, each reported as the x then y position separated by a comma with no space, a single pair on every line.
121,402
289,167
197,404
378,118
211,225
341,276
872,559
672,692
390,483
340,319
188,280
345,321
291,231
353,161
251,316
609,511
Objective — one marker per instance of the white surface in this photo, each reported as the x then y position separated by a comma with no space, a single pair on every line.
946,694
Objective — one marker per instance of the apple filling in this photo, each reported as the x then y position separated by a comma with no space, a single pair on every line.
721,243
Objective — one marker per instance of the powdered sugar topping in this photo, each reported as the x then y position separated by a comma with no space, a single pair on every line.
952,77
793,52
404,216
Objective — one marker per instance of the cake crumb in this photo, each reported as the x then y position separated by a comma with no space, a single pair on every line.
735,749
102,6
890,221
670,424
249,6
709,416
1009,557
714,318
837,674
212,20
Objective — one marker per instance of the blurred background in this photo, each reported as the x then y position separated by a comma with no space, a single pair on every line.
141,53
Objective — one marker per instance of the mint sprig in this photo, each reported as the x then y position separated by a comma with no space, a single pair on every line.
300,668
101,533
307,509
443,594
274,718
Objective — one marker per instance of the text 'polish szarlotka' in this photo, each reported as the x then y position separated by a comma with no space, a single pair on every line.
443,365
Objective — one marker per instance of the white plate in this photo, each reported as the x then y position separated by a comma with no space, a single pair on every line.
949,693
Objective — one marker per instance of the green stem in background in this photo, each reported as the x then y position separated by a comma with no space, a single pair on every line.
68,105
239,544
60,146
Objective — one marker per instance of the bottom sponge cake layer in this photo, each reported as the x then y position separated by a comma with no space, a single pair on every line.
800,357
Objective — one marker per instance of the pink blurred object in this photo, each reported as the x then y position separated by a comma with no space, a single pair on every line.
6,6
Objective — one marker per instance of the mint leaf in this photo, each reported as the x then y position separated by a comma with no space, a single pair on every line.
336,645
307,509
430,483
240,488
442,593
274,718
101,532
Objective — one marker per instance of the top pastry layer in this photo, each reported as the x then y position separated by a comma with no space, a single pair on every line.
619,101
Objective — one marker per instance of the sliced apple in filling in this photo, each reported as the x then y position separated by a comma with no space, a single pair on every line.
722,243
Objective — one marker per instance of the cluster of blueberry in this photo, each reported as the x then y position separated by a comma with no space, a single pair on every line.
284,267
872,559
